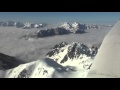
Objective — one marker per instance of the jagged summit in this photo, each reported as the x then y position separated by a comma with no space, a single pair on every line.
75,27
66,54
65,25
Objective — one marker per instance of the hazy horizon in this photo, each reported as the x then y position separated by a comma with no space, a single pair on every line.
57,17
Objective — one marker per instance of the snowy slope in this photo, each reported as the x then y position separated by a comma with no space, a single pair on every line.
64,29
44,69
36,69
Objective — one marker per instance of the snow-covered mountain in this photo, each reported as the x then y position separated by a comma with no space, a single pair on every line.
74,27
29,25
65,28
74,54
63,61
8,23
26,25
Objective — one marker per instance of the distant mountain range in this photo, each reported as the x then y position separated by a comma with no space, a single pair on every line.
26,25
62,29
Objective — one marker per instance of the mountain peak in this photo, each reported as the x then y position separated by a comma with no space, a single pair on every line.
72,53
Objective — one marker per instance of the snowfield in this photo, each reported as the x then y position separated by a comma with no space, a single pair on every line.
40,69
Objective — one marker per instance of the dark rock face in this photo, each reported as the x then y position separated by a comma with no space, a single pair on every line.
1,23
60,45
9,62
19,25
76,50
80,31
10,23
32,25
51,53
81,28
64,59
56,49
61,31
24,74
50,32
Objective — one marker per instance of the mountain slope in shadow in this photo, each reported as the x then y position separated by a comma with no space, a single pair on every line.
8,62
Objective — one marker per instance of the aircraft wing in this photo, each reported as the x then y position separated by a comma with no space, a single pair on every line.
107,61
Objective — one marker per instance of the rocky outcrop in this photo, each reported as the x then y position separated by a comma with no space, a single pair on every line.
64,53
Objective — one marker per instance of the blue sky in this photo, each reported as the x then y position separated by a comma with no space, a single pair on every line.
56,17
